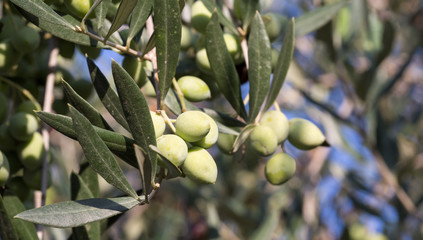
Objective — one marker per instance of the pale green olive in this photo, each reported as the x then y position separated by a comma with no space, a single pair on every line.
3,107
26,40
277,121
79,7
173,148
192,126
149,89
202,61
9,57
159,123
22,126
187,38
31,152
27,107
135,68
280,168
275,26
211,138
194,89
263,140
304,134
200,16
234,47
4,169
225,142
199,166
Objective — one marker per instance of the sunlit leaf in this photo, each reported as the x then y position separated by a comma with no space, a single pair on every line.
249,8
141,12
125,9
259,57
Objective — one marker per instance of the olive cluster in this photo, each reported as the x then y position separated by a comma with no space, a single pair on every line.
21,147
195,131
272,130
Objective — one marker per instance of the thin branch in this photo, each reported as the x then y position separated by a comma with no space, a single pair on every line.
179,94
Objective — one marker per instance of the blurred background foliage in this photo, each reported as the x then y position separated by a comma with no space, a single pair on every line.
359,78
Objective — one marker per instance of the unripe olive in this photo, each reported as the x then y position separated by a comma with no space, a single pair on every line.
192,126
275,56
79,7
275,25
149,89
83,87
92,52
173,148
194,89
10,24
7,142
202,61
26,40
19,188
9,57
277,121
14,162
159,123
3,107
135,68
27,107
33,178
200,16
211,138
225,142
22,126
31,152
304,135
4,169
280,168
263,140
187,38
200,166
234,47
66,49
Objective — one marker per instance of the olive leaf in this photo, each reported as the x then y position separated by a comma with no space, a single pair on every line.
125,9
172,170
242,137
142,10
211,6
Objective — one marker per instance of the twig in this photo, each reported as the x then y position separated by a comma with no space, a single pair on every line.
179,94
168,121
153,58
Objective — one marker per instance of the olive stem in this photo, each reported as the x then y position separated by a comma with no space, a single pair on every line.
168,120
276,106
180,94
246,99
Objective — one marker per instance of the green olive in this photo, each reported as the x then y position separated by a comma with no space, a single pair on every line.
31,152
11,23
225,142
4,169
173,148
159,123
33,178
27,107
200,166
275,56
14,162
187,38
7,142
22,126
18,187
202,61
234,47
211,138
92,52
280,168
4,106
263,140
277,121
275,26
194,89
66,50
9,57
200,16
192,126
135,68
26,40
304,135
149,89
79,7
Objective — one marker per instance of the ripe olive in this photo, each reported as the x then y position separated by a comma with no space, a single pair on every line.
280,168
263,140
26,40
192,126
173,148
304,135
159,123
200,166
277,121
22,126
194,89
31,152
211,138
200,16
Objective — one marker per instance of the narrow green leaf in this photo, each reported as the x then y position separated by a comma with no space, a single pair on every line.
125,9
167,26
242,137
90,178
43,16
249,9
98,155
79,190
267,228
78,213
107,95
150,44
223,67
138,117
172,170
211,6
317,18
7,231
282,65
84,107
171,101
101,13
120,145
93,7
13,206
142,10
259,55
